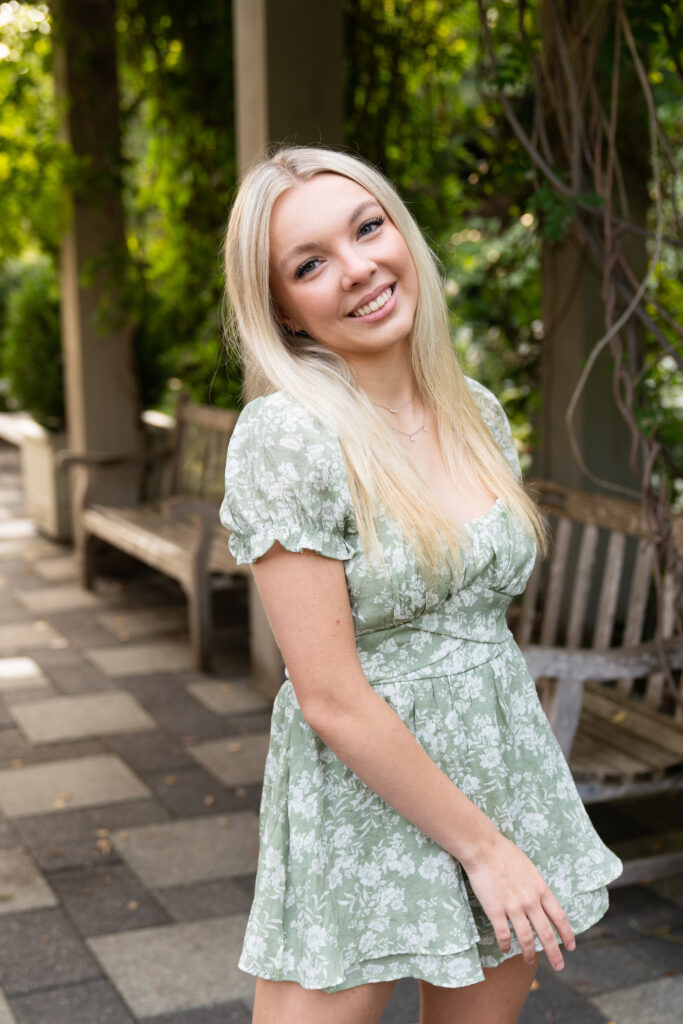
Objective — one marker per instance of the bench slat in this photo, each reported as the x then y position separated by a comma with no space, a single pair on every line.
640,720
609,732
582,584
556,583
635,613
591,756
609,591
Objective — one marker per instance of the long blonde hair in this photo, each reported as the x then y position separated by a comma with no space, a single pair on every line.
323,382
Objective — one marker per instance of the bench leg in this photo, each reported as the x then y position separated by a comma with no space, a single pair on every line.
563,708
200,619
267,665
86,560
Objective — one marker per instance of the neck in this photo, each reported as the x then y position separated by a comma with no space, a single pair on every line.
387,379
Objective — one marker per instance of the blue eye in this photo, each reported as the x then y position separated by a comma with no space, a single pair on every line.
371,225
305,268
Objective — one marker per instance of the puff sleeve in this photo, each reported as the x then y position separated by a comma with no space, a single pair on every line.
285,481
496,420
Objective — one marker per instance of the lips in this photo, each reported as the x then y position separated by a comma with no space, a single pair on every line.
374,301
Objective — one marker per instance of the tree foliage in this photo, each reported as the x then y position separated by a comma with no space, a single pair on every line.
34,164
420,102
178,125
32,343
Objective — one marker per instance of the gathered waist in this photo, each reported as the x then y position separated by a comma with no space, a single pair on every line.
412,659
461,657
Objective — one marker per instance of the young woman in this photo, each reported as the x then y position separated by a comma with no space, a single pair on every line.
418,818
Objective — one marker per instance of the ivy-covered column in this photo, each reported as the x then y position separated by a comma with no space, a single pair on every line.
100,379
574,312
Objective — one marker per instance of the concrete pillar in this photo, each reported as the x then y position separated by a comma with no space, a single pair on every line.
100,379
288,74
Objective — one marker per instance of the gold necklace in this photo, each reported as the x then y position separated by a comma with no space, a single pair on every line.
398,406
408,433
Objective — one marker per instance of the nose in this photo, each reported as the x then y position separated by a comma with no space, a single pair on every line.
356,267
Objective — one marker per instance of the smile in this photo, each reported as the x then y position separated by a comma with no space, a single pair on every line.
376,304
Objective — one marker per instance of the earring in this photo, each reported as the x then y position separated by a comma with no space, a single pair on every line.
292,332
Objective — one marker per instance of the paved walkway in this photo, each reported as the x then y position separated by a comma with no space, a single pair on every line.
129,789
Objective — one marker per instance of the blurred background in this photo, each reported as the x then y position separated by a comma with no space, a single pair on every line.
537,144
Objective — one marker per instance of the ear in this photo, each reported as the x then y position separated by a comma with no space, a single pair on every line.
284,319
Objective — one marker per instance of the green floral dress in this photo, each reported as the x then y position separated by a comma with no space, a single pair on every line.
347,890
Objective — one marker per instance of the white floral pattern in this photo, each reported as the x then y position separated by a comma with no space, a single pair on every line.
347,890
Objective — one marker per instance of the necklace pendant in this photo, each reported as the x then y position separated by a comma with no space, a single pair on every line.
393,410
412,437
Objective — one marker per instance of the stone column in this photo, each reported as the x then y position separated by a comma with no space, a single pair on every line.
288,88
100,379
288,74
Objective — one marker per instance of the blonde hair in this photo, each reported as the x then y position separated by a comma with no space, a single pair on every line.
323,382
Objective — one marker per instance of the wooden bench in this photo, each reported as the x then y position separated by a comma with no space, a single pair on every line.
180,534
585,625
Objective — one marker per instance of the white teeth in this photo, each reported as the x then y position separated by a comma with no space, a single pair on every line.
376,304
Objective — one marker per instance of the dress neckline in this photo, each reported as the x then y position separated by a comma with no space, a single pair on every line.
484,515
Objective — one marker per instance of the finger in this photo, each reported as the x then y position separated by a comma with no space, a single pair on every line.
548,939
559,919
525,937
502,931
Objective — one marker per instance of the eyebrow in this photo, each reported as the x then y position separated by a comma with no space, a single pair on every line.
300,250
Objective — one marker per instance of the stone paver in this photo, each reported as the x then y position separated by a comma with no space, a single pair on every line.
22,886
215,898
139,659
77,782
176,967
223,1013
57,570
21,674
137,623
65,598
13,529
228,698
656,1002
127,858
106,898
40,949
181,852
591,968
63,718
90,1002
28,550
6,1015
236,761
22,636
670,889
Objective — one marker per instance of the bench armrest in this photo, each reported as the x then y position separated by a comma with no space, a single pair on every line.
584,663
184,507
103,460
205,514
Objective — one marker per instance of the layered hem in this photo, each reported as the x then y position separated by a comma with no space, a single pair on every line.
452,969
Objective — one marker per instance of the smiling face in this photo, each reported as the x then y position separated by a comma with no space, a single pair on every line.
339,268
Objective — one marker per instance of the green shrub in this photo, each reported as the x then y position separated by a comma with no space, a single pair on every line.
32,351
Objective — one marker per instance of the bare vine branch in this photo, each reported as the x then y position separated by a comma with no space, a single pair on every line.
586,147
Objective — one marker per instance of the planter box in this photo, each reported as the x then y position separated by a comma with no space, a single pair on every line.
46,488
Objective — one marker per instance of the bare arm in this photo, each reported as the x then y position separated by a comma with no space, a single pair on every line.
307,603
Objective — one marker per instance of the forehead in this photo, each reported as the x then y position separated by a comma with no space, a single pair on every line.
314,205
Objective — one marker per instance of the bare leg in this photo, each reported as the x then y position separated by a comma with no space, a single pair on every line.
497,1000
285,1002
